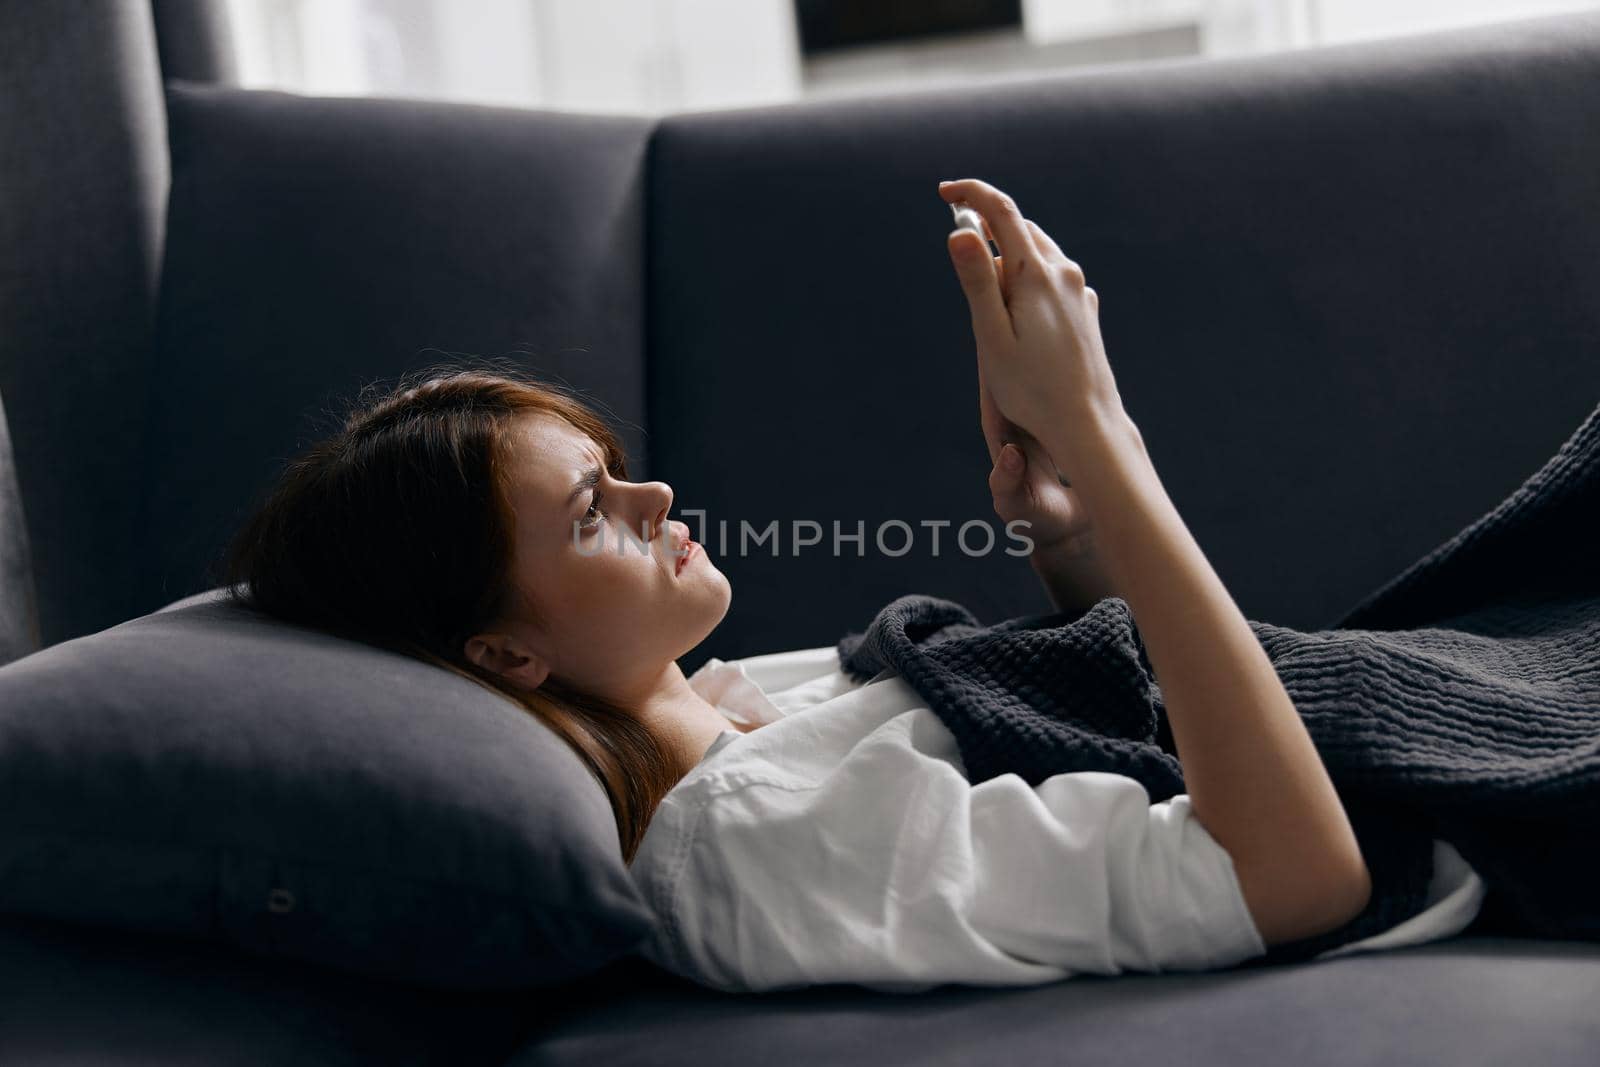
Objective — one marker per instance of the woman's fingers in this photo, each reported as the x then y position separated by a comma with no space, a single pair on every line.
1007,478
1075,272
987,279
991,322
1044,240
1000,212
1039,346
1051,250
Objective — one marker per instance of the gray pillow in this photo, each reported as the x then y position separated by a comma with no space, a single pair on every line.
207,771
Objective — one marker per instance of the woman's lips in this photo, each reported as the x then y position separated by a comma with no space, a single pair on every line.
689,550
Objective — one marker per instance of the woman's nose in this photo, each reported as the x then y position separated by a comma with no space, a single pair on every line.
661,500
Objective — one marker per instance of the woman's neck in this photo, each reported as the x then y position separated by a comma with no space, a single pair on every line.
686,722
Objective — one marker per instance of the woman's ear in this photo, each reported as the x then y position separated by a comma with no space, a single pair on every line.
507,656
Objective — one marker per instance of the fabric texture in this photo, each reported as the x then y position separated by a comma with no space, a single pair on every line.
83,191
842,842
1459,701
211,772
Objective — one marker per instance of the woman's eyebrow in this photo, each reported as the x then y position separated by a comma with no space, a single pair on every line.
589,480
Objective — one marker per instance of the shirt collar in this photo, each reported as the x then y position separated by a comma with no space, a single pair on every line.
731,690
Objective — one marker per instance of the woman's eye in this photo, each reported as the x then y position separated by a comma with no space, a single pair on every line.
592,516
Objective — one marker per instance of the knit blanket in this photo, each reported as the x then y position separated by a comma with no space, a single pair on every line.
1460,700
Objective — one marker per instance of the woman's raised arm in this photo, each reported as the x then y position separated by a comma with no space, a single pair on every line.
1253,776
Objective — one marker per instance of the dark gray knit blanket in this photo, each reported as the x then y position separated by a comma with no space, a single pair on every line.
1460,700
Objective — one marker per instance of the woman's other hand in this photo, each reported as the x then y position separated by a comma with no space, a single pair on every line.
1036,322
1026,486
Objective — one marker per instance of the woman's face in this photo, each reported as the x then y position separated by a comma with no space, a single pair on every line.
596,559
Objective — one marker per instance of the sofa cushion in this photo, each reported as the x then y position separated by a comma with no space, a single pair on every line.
1473,1000
207,771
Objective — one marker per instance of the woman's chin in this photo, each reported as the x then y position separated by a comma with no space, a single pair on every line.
726,598
719,597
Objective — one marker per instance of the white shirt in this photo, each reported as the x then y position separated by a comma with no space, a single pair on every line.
842,842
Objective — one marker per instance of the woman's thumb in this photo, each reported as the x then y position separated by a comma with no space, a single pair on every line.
1006,478
970,253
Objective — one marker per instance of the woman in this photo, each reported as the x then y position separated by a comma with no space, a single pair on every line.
842,844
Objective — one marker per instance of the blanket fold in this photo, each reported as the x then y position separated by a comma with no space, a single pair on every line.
1460,700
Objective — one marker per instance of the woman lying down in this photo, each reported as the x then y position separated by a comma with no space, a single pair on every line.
791,825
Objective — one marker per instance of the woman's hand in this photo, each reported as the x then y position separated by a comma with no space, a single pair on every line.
1253,774
1036,323
1026,486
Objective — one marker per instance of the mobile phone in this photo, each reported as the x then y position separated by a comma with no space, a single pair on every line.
967,217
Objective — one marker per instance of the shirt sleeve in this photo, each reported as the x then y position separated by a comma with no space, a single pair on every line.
896,873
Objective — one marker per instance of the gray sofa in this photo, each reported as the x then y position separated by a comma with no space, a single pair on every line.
1349,294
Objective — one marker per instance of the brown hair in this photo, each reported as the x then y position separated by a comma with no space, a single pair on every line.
397,531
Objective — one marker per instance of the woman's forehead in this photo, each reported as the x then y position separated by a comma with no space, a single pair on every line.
554,454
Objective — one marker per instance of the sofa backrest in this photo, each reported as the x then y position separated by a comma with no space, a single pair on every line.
314,245
83,181
1348,293
19,610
